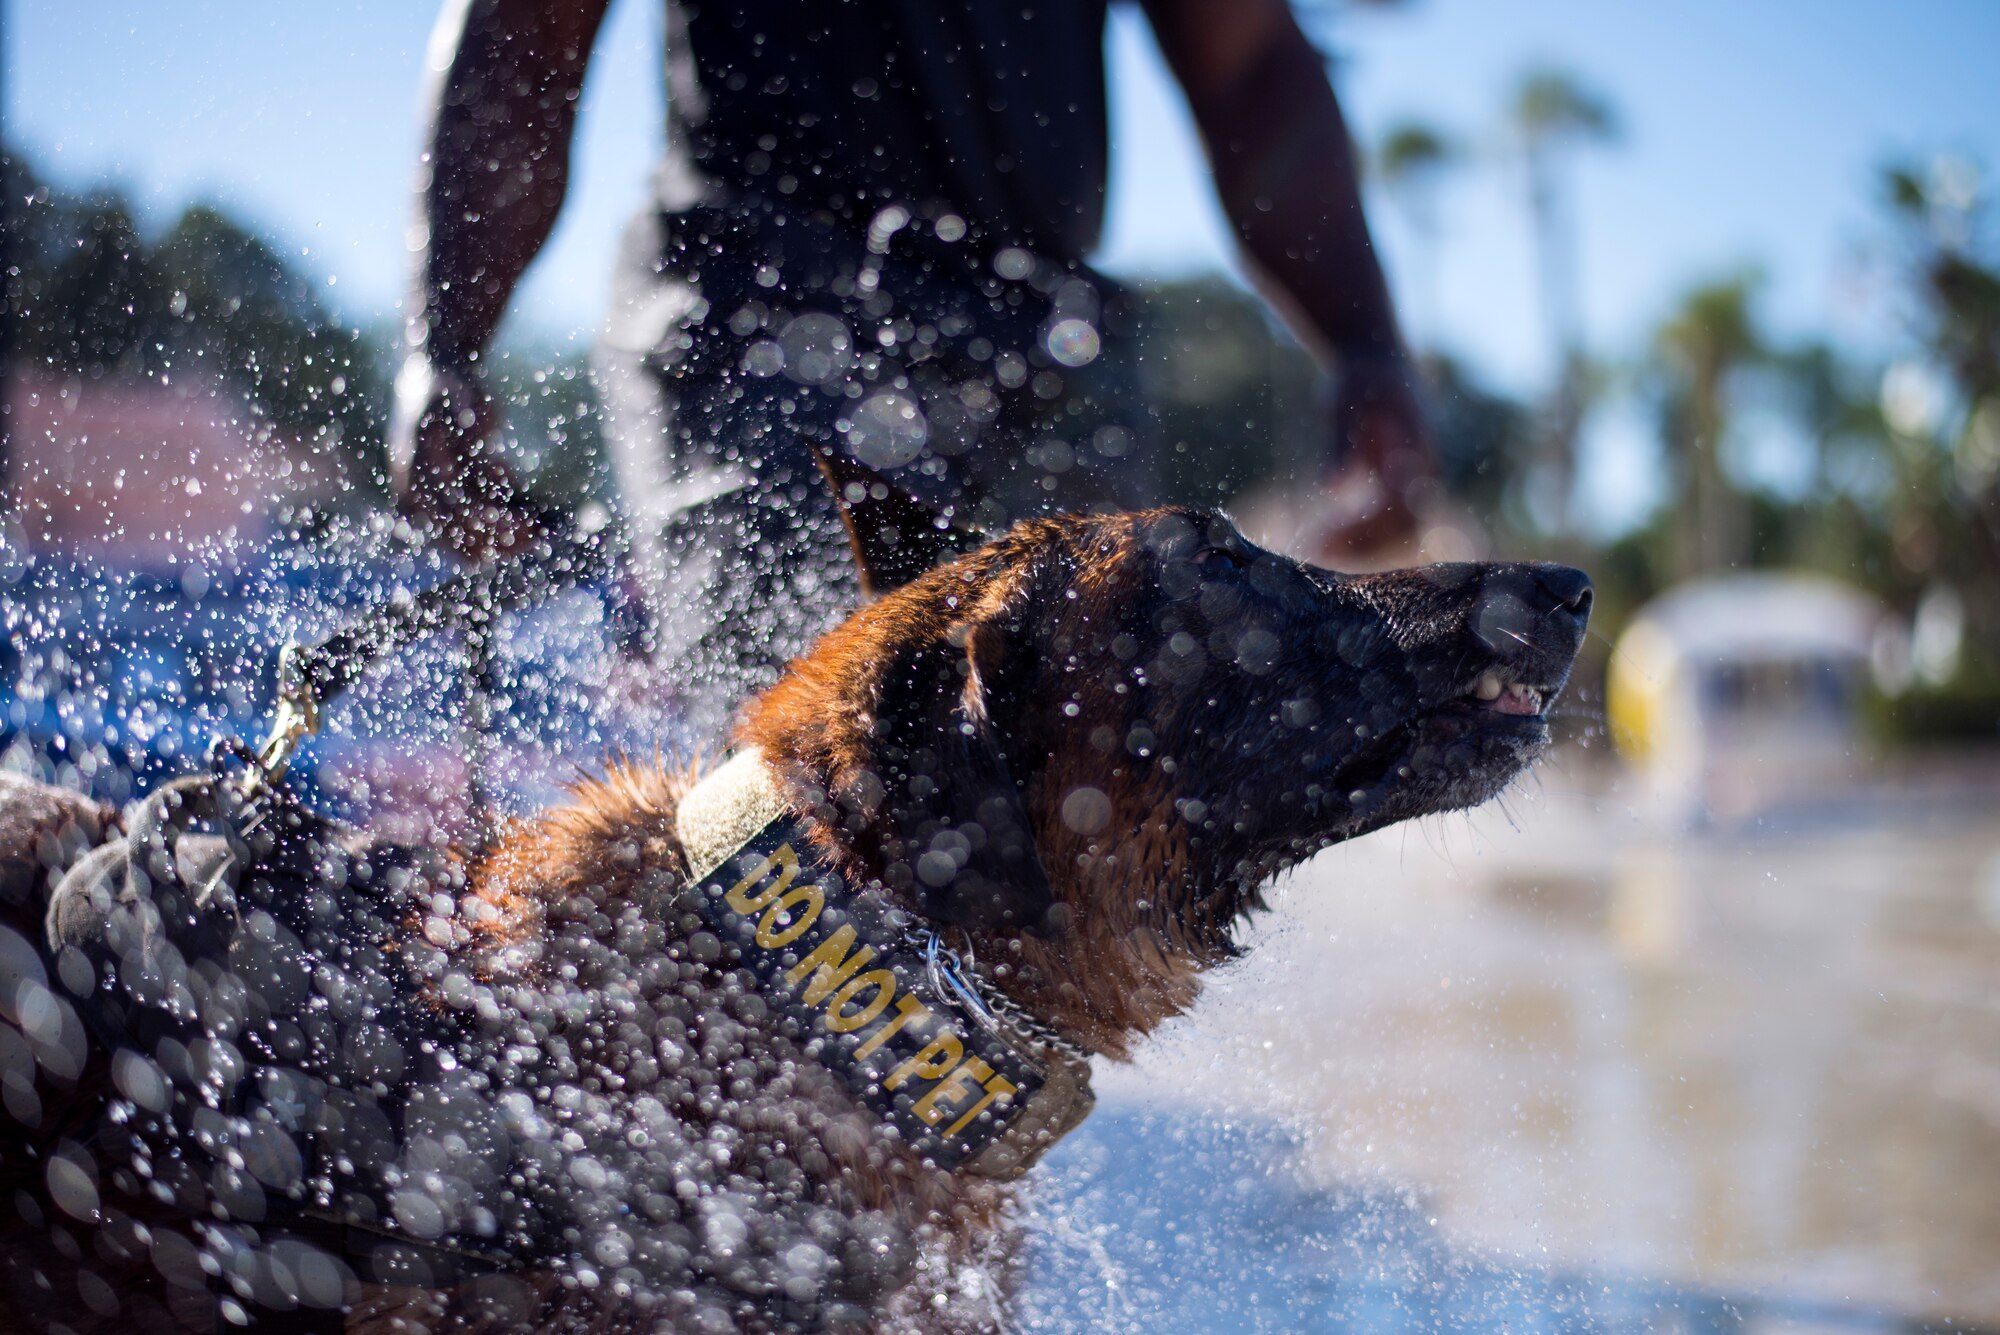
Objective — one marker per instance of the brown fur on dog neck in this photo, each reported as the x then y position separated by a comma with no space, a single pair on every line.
612,826
619,832
1118,972
1123,964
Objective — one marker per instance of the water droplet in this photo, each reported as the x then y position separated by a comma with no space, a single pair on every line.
1013,264
817,348
1074,342
764,358
1086,810
887,430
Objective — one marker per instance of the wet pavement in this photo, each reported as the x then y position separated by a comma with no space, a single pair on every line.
1758,1067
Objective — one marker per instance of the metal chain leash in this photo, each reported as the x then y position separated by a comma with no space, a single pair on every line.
989,1007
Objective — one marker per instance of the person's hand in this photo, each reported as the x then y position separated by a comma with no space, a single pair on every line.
445,465
1382,468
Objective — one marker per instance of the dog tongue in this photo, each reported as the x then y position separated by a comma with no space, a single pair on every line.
1519,699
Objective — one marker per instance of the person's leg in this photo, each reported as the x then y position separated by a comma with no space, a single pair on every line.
736,546
1035,407
950,391
744,584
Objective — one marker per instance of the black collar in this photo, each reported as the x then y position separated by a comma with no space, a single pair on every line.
964,1074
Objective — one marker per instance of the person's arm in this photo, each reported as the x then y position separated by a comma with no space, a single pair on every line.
1286,175
508,76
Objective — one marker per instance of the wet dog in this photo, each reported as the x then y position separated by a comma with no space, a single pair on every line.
617,1080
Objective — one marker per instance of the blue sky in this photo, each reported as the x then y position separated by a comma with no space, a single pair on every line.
1752,136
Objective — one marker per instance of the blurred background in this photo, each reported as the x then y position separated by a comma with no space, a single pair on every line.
1700,1028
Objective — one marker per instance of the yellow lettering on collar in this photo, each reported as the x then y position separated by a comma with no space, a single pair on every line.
841,1020
999,1087
785,861
908,1010
956,1087
938,1056
830,964
803,903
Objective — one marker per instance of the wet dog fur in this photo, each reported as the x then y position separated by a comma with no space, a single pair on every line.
1082,751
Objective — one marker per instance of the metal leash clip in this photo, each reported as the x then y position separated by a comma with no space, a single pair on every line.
295,719
1003,1017
947,976
296,716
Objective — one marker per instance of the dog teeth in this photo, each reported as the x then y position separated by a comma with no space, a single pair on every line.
1506,697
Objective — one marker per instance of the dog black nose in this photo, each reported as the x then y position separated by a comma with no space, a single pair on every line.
1569,587
1527,609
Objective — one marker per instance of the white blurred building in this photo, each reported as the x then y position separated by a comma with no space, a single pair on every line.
1729,694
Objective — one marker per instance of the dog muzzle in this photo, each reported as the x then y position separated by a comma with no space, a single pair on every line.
968,1080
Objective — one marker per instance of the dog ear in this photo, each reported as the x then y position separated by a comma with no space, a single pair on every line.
895,537
966,839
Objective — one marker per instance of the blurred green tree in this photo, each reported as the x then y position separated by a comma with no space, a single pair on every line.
244,314
1945,516
1701,349
1411,161
94,298
554,423
88,297
1232,392
1236,404
1552,114
1836,523
1942,214
1482,437
1900,490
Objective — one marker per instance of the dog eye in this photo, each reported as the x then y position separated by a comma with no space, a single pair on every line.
1221,558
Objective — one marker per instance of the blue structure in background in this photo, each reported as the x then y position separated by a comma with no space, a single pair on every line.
112,681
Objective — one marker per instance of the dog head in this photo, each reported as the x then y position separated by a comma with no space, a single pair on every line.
1140,718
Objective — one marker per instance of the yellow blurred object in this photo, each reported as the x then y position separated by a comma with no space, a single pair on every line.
1635,690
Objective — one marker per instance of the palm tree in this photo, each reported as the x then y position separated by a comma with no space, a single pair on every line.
1950,483
1410,161
1552,115
1703,345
